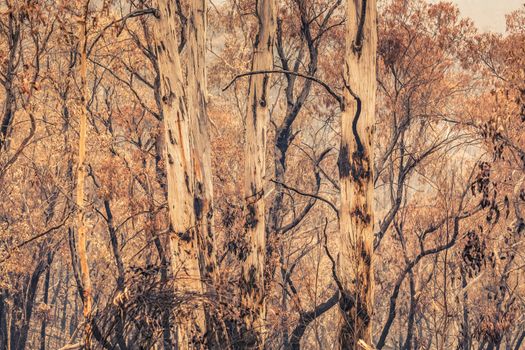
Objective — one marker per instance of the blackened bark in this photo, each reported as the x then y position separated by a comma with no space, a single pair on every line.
119,330
74,318
411,314
3,319
115,245
65,303
7,117
28,303
520,341
395,293
466,342
13,33
45,300
308,317
14,331
74,262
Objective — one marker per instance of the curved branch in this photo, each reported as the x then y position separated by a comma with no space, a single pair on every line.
327,87
413,263
307,317
312,200
34,238
136,13
309,195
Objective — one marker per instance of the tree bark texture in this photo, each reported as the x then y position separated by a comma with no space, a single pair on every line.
356,174
257,116
87,298
197,92
197,109
182,208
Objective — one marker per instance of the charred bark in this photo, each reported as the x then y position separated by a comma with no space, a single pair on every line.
184,242
45,299
3,319
356,175
252,286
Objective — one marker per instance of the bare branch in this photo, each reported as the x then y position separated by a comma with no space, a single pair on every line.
309,195
327,87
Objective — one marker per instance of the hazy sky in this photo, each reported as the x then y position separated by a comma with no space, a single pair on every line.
489,15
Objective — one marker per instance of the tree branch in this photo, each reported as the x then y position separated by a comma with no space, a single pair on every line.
327,87
308,195
136,13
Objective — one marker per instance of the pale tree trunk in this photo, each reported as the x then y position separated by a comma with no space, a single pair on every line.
197,92
177,124
257,115
197,110
356,160
87,297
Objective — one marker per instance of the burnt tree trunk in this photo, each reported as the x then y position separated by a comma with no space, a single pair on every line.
182,208
14,43
356,160
3,319
81,241
45,300
121,278
157,218
256,121
197,92
197,109
25,302
65,300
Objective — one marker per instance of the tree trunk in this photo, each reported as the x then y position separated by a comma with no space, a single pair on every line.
411,314
28,302
356,174
121,279
45,300
13,31
181,205
17,306
197,101
3,319
465,339
87,298
157,218
197,92
73,322
257,115
65,300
